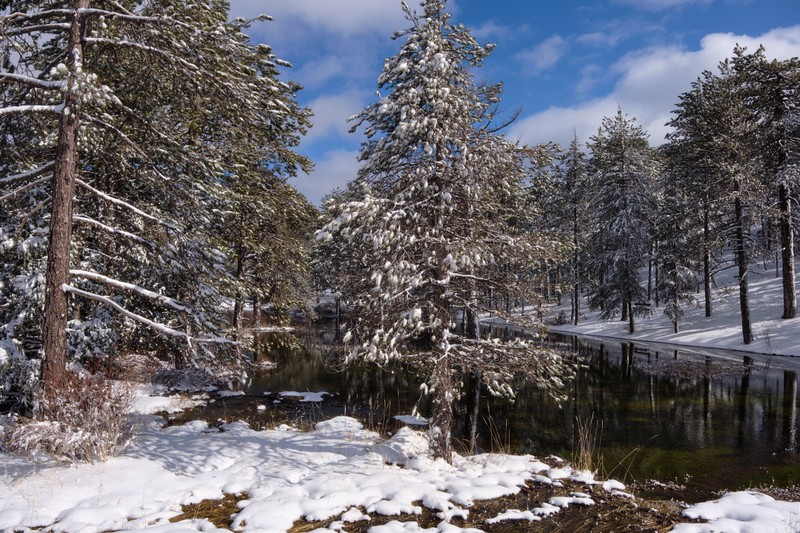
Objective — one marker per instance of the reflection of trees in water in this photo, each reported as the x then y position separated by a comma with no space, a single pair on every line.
315,366
662,401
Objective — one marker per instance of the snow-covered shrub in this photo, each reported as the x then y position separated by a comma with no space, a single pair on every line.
17,374
86,420
95,337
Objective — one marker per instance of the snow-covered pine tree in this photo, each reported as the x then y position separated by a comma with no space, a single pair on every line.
623,170
575,195
164,98
714,121
770,89
691,162
429,223
679,234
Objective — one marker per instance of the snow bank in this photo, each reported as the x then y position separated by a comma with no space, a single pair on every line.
737,512
287,475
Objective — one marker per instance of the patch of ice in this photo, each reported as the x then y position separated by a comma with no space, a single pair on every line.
412,420
230,393
305,396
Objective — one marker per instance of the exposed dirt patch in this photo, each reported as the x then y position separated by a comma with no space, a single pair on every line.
218,512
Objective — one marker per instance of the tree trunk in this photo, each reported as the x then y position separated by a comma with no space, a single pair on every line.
576,265
787,253
441,423
238,302
741,263
707,261
54,334
477,377
631,324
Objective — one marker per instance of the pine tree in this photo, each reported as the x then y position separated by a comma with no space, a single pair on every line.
770,90
713,119
576,189
431,221
623,172
154,104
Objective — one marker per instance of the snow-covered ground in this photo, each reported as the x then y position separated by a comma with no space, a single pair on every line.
331,472
337,472
340,470
773,335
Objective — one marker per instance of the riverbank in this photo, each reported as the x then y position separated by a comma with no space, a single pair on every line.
339,476
773,335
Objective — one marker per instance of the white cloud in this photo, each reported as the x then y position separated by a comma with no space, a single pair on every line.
330,115
648,85
342,17
333,170
545,55
660,5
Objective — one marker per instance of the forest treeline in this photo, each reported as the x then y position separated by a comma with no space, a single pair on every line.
145,159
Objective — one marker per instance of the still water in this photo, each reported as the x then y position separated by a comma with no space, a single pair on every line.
706,419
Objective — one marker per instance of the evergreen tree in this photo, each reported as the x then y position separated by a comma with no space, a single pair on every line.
146,108
431,218
716,124
770,90
576,194
623,172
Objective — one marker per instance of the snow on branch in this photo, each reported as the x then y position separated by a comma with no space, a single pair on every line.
166,300
133,44
119,202
57,109
33,82
43,28
117,15
113,231
28,173
23,188
161,328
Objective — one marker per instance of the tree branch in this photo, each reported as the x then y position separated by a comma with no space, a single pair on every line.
117,201
114,231
161,328
166,300
57,109
24,188
33,82
29,173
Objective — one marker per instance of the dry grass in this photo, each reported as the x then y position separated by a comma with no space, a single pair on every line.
585,443
218,512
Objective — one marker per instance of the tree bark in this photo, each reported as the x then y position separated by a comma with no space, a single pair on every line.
787,253
576,266
631,324
706,261
741,263
54,334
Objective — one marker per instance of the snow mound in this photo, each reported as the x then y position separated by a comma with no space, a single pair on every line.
736,512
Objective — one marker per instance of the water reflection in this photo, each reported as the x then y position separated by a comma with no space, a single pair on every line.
714,419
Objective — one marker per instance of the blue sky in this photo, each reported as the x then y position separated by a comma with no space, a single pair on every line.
565,64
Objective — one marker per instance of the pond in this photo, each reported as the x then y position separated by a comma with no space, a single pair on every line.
704,419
